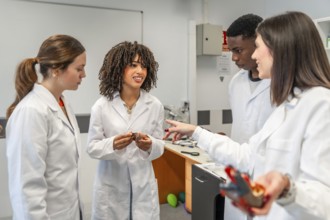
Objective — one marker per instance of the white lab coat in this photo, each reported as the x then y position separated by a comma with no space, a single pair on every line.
250,110
295,140
43,150
118,168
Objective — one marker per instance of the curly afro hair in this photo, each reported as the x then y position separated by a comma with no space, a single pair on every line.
115,61
245,25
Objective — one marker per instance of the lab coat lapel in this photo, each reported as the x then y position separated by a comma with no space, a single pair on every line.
73,125
64,119
142,105
264,84
273,123
61,115
278,116
119,107
50,100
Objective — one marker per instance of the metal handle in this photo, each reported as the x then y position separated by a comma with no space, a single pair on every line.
199,180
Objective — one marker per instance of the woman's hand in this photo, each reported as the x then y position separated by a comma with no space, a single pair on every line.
274,183
179,130
142,141
121,141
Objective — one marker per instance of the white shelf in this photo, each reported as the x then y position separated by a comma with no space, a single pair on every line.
323,26
320,20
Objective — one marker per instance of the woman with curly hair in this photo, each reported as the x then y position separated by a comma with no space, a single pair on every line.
125,134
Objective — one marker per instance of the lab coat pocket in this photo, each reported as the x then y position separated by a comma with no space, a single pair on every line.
146,201
110,202
280,154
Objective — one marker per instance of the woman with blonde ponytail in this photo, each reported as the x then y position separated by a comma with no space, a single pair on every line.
43,145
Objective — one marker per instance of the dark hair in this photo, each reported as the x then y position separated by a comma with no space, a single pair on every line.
299,57
245,25
115,61
56,52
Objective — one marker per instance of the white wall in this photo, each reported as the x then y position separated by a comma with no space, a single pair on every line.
84,23
315,9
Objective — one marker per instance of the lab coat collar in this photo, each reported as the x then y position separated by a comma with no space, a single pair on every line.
47,97
141,106
278,116
263,85
143,96
292,101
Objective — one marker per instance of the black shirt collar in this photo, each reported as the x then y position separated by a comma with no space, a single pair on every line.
253,79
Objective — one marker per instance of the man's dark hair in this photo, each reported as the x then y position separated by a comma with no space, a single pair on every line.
245,25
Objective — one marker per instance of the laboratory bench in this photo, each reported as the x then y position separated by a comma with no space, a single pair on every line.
173,171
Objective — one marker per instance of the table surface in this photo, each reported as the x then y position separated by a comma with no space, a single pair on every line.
175,148
203,160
